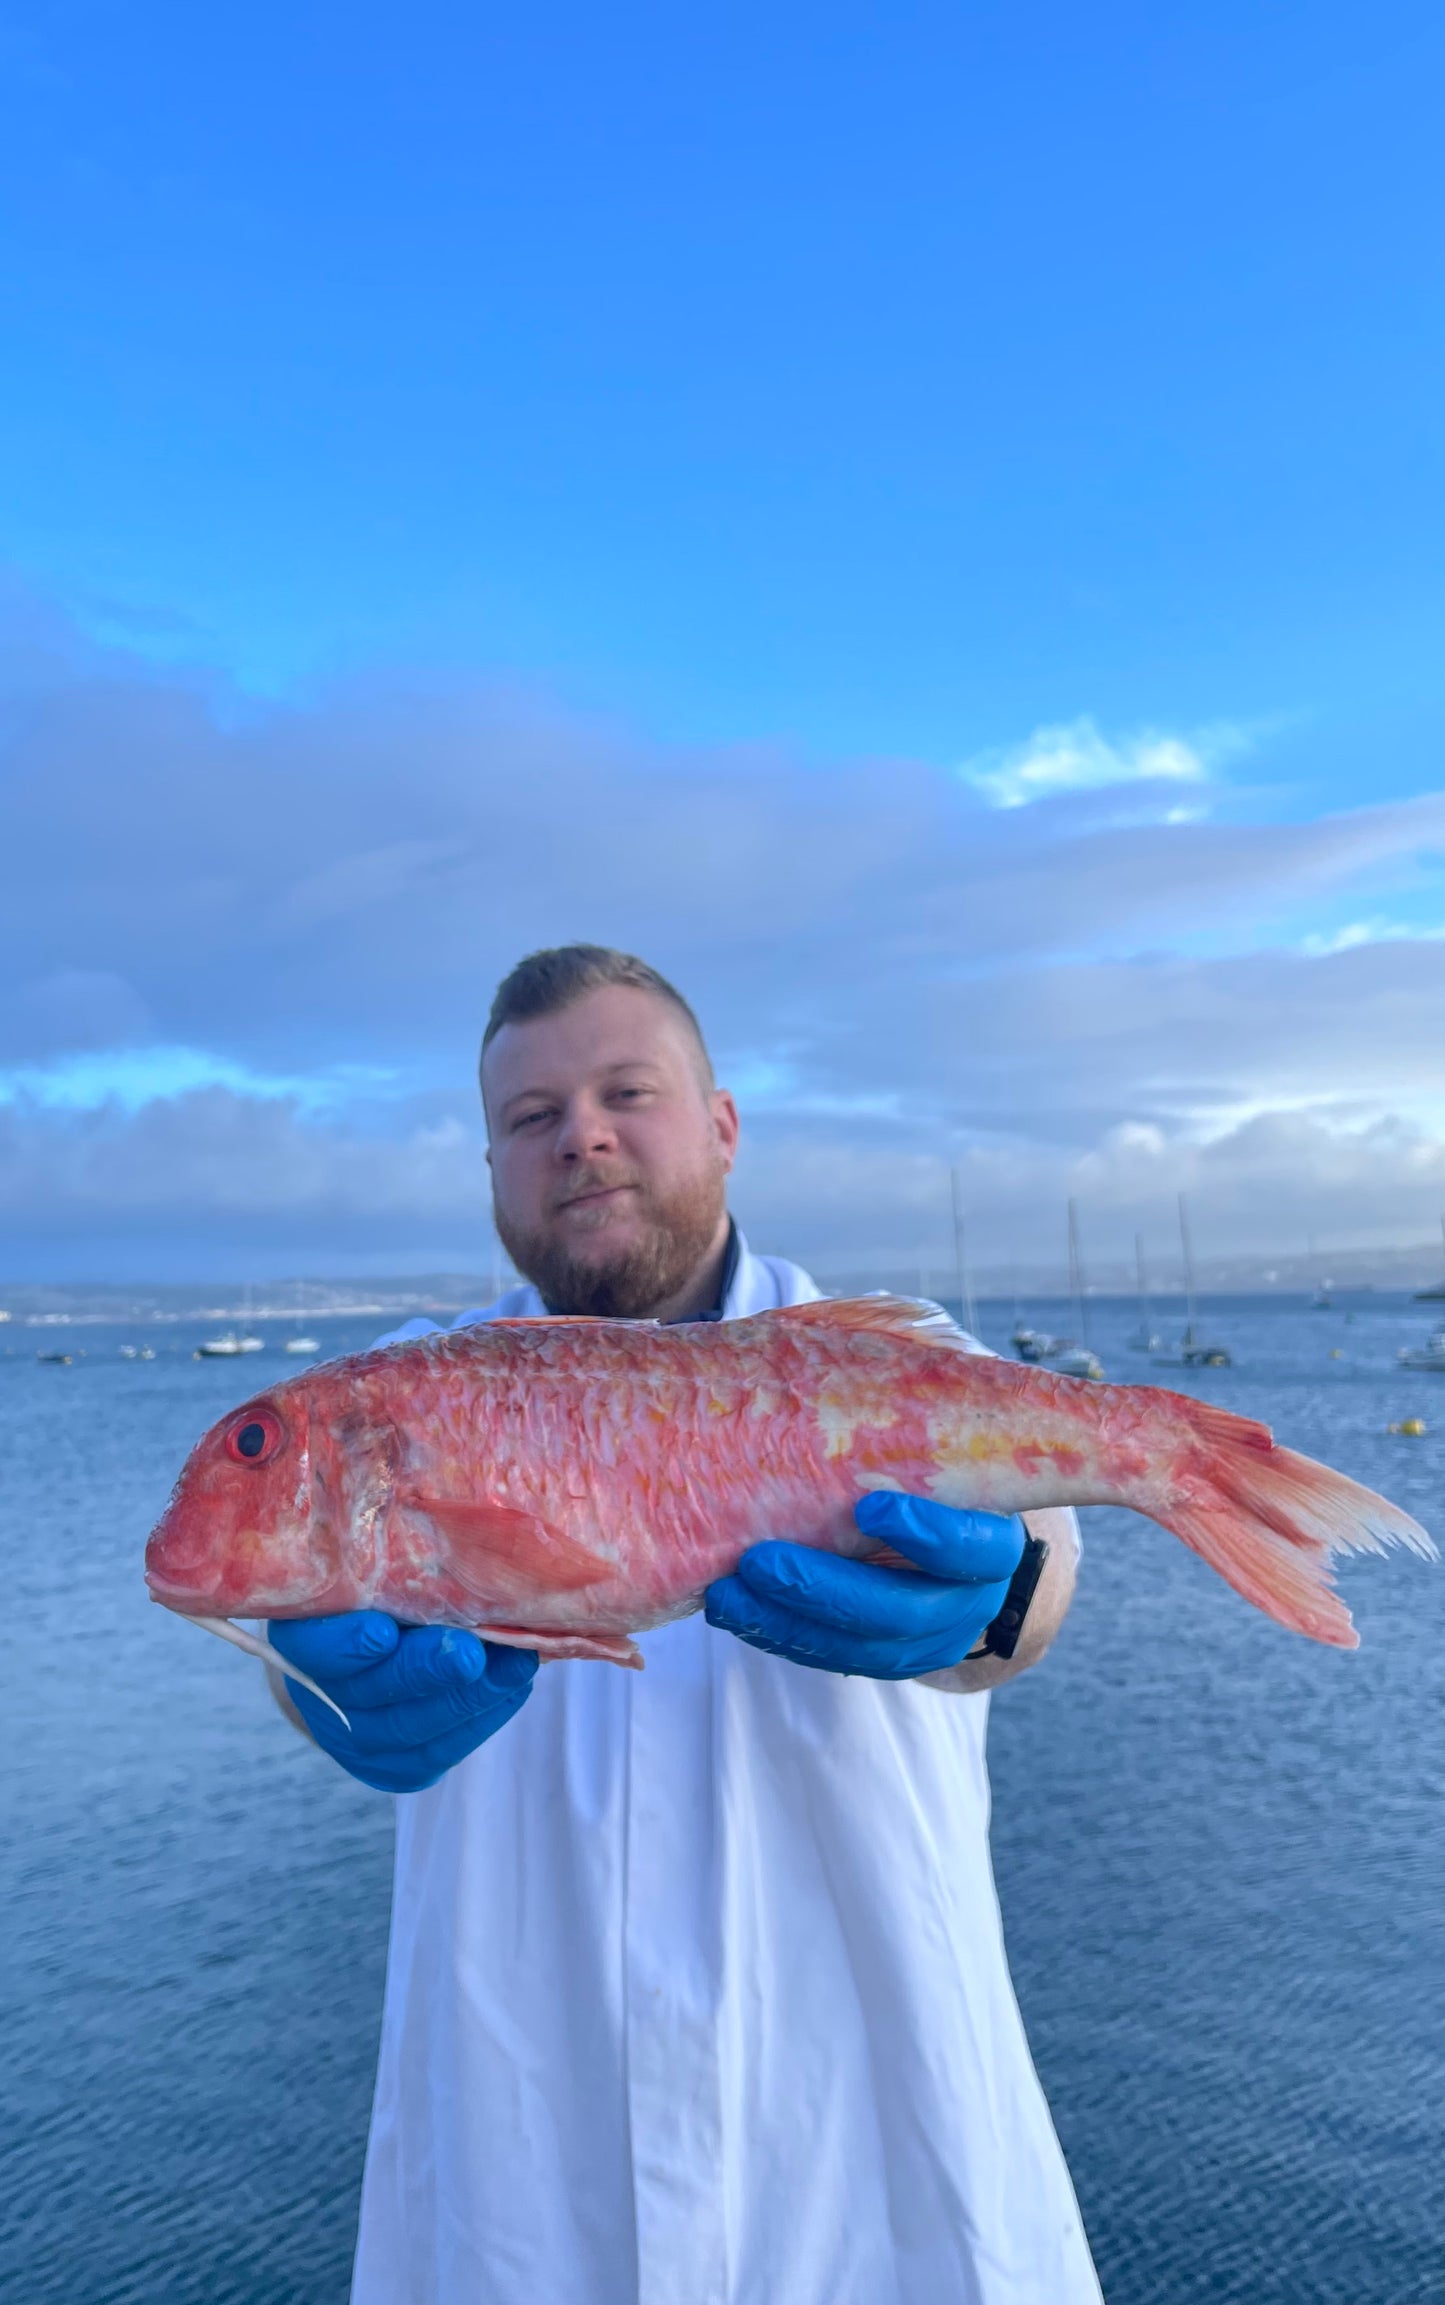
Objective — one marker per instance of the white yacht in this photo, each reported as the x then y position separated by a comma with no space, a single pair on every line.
302,1345
228,1346
1430,1355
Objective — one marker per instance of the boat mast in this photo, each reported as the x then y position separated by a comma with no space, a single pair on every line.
1142,1289
1188,1268
1076,1275
960,1251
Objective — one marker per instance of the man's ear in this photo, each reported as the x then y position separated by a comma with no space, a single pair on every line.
729,1127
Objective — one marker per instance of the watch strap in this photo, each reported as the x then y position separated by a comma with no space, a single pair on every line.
1001,1637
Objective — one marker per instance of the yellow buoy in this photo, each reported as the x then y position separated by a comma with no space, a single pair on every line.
1414,1427
1337,1352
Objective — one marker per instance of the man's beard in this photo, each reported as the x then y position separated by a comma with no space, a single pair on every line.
631,1283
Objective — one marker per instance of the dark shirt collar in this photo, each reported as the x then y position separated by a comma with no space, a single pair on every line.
726,1278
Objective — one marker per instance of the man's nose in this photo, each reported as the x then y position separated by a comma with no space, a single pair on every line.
587,1130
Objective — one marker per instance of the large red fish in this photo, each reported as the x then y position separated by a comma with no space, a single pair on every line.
563,1484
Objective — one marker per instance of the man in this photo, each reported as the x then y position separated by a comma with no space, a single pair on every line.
696,1991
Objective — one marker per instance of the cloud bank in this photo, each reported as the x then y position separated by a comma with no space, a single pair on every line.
245,953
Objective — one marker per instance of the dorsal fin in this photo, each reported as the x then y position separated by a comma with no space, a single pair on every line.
880,1315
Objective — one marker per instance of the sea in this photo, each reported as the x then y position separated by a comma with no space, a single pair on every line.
1220,1854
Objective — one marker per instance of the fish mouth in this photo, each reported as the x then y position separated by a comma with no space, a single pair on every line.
185,1600
177,1597
200,1591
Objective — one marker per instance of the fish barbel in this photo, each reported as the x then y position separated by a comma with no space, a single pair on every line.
563,1484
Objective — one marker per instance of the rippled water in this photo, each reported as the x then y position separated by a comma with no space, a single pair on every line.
1219,1852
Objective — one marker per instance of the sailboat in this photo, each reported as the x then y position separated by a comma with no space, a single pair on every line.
1194,1352
1145,1338
1069,1358
297,1342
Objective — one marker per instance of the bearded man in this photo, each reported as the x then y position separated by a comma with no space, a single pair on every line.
696,1990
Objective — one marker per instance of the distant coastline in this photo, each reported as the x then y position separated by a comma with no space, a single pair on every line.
1345,1272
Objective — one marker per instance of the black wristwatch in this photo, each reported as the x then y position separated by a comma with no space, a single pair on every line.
1001,1638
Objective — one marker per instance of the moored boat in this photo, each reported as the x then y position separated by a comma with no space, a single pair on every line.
228,1346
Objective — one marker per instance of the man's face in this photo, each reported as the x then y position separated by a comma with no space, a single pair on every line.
609,1153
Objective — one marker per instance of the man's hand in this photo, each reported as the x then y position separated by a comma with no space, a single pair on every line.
418,1700
856,1617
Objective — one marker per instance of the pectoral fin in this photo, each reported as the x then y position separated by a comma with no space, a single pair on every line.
498,1550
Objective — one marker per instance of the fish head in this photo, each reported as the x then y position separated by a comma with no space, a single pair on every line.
247,1530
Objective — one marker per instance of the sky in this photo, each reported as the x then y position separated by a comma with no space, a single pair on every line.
928,523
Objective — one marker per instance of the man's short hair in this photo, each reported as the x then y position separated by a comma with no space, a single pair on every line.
548,981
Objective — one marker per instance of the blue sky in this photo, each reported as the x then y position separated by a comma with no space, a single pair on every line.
957,442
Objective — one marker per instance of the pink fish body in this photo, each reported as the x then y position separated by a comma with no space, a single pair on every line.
564,1484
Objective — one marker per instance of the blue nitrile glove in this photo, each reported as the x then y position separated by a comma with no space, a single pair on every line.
858,1617
418,1698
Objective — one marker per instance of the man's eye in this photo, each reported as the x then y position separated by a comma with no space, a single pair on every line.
529,1119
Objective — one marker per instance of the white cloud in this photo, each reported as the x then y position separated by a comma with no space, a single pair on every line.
132,1077
1074,756
214,1156
1358,932
1261,1186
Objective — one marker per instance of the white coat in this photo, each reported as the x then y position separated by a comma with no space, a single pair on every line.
697,1995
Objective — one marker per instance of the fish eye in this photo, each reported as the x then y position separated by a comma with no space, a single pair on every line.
254,1438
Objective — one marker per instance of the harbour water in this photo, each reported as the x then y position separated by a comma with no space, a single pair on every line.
1219,1853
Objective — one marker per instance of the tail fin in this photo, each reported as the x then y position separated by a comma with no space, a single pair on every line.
1268,1521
